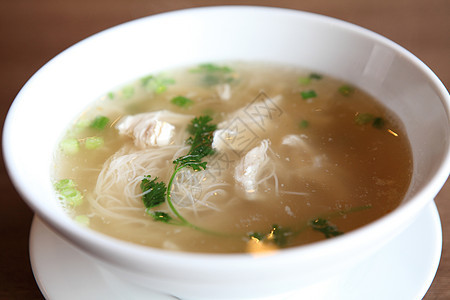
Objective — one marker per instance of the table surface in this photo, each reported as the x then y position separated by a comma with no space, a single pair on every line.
32,32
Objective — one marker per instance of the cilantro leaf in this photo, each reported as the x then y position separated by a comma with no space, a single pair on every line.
280,235
277,235
160,216
201,143
378,123
322,225
366,118
154,193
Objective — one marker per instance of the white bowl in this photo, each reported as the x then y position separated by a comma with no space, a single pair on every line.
72,80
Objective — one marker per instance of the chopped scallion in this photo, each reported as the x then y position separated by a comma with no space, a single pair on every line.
83,220
68,192
64,184
304,80
157,84
308,94
363,118
93,142
69,146
346,90
99,122
323,226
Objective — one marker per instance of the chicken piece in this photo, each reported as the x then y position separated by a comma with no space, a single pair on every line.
151,129
296,141
246,126
224,91
301,150
249,167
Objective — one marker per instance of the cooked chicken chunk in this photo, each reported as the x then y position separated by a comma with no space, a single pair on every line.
151,129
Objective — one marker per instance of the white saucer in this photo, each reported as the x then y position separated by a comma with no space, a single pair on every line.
403,269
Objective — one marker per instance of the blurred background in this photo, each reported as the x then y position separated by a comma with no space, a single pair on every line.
32,32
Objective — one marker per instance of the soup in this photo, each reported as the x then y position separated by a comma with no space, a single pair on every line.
229,158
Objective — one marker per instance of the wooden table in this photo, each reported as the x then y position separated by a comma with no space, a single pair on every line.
32,32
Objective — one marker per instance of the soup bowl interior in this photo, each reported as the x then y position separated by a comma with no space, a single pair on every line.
66,85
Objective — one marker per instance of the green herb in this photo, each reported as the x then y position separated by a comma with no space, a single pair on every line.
154,192
323,226
214,74
208,67
315,76
378,123
67,191
160,216
99,122
304,80
110,95
157,84
280,235
307,79
182,101
69,146
308,94
346,90
303,124
82,124
82,220
201,144
256,235
93,142
277,235
128,92
366,118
